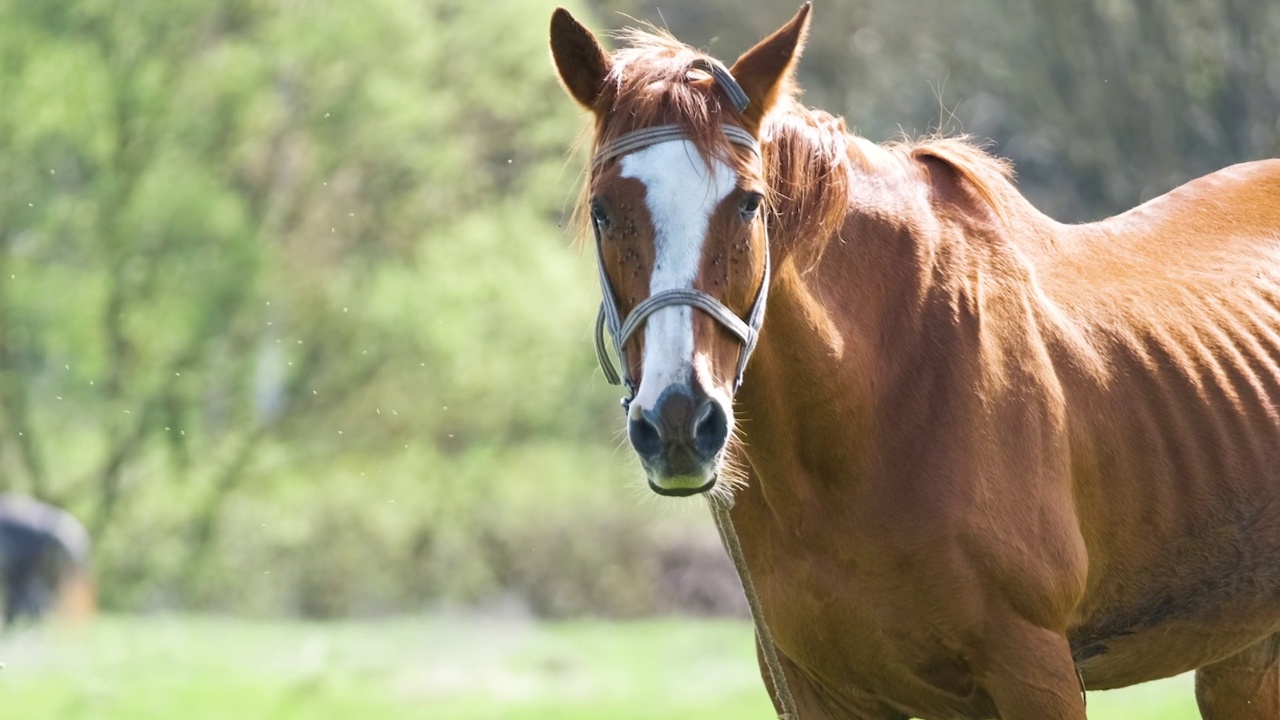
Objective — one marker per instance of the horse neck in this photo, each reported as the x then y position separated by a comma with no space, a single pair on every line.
898,295
812,376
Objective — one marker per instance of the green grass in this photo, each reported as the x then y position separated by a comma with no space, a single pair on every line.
441,668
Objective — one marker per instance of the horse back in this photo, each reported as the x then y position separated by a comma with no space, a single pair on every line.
1169,356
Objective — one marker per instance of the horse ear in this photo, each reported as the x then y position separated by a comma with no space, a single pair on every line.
580,60
766,71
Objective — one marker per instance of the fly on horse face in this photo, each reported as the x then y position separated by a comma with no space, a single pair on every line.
978,459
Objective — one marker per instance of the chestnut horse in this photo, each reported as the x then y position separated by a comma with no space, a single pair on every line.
978,457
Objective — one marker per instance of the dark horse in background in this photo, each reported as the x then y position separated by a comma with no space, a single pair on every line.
44,561
979,459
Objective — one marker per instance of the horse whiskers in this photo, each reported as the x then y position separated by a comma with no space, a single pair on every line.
732,473
620,441
648,498
733,477
722,492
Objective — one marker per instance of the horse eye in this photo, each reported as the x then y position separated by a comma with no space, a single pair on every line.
599,216
749,205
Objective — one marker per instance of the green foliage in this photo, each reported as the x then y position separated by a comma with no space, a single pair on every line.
287,309
1101,104
284,299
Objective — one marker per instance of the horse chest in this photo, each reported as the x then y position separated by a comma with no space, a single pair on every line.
854,635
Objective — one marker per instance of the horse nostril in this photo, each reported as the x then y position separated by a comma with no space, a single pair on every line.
710,428
645,437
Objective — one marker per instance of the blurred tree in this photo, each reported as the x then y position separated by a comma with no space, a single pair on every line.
283,287
243,229
1122,101
1100,103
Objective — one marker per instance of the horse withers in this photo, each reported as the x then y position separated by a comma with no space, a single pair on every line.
978,459
44,561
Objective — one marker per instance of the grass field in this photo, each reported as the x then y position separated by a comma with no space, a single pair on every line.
440,668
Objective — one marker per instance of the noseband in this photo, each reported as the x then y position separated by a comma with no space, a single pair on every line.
622,329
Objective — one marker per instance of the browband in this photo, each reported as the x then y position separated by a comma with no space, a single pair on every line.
644,137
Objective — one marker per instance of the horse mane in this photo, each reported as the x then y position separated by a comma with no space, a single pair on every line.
986,175
812,161
811,158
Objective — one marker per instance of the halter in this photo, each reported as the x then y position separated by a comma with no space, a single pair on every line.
609,318
747,331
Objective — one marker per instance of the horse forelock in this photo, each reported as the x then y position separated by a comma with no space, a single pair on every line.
653,82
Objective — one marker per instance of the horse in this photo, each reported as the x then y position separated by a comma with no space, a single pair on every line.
44,561
979,460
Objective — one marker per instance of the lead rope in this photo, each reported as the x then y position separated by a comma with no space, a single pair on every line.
729,536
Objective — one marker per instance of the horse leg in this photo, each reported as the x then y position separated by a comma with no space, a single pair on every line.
1030,674
1245,686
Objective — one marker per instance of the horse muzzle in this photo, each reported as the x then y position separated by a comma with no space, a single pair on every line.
679,440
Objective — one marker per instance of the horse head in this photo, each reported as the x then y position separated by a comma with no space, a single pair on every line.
677,199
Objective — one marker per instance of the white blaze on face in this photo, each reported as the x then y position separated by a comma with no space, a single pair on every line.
681,193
